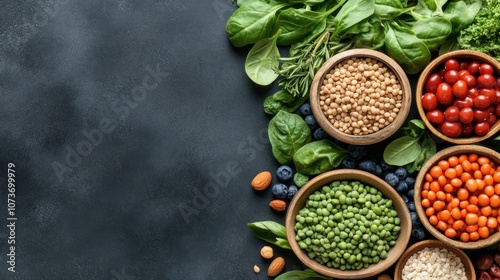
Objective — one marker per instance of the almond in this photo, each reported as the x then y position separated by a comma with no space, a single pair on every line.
262,180
278,205
276,266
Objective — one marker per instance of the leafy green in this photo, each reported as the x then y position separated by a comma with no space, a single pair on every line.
262,59
372,36
297,23
318,157
307,274
462,13
449,45
300,179
352,12
282,100
428,150
402,151
432,31
287,134
271,232
389,9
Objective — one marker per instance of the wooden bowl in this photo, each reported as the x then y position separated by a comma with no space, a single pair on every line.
431,68
355,175
469,268
443,154
369,138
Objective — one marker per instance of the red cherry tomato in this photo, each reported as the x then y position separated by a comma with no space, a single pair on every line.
486,81
481,102
467,129
466,115
460,89
435,116
490,93
470,80
473,92
451,129
484,276
485,68
467,102
481,115
451,64
482,128
463,73
432,83
464,65
492,119
474,67
497,110
429,101
451,77
444,94
451,114
498,83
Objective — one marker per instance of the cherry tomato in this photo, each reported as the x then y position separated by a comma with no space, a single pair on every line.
473,92
429,101
463,73
467,129
474,67
435,116
490,93
485,68
451,64
432,83
482,128
497,110
470,80
498,96
481,102
492,119
486,81
466,102
498,83
460,89
451,129
451,114
484,276
481,115
464,65
444,94
451,77
466,115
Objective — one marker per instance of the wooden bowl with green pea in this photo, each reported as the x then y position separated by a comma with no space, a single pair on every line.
360,96
348,224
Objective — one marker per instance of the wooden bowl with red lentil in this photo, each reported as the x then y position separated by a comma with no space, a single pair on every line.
360,96
457,196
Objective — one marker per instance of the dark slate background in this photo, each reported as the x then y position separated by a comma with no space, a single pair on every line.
67,67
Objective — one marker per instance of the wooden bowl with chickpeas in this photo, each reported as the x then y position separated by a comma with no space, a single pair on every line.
360,96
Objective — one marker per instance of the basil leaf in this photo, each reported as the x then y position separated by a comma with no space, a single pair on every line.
287,134
282,100
402,151
318,157
428,150
404,47
252,22
297,23
353,12
432,31
462,13
262,59
271,232
307,274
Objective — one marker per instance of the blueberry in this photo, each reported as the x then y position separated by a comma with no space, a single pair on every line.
378,170
319,134
410,194
402,187
348,162
280,191
357,152
414,219
411,206
311,121
418,233
292,190
368,165
284,173
305,109
385,166
401,173
405,199
410,181
391,179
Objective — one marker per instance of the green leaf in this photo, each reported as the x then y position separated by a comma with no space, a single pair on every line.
262,60
428,150
287,134
432,31
305,2
297,23
282,101
402,151
449,45
462,13
389,9
242,2
318,157
271,232
307,274
353,12
373,36
417,127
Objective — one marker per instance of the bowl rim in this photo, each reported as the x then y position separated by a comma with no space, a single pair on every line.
350,175
433,65
469,267
375,137
445,153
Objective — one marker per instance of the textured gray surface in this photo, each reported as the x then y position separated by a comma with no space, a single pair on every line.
68,68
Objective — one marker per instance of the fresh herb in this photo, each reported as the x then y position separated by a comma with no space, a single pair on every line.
318,156
287,134
271,232
262,59
282,100
307,274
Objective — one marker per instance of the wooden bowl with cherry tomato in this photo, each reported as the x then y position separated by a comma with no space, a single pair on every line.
457,196
458,96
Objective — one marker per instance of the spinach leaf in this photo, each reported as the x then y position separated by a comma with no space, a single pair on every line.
287,134
428,8
432,31
297,23
307,274
389,9
462,13
271,232
318,157
262,59
417,128
404,47
351,13
402,151
449,45
373,37
305,2
252,22
428,150
282,100
242,2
